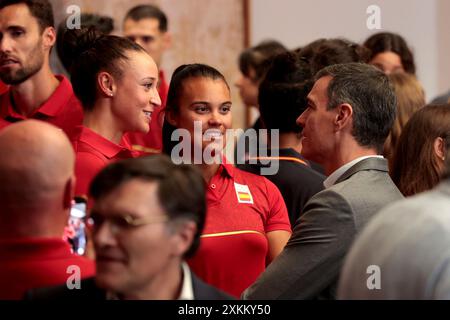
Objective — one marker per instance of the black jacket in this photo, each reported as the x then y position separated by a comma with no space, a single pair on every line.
89,291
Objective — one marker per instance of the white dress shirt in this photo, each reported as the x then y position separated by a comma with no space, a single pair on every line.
339,172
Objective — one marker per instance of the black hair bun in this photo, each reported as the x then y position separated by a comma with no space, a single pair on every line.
76,42
86,40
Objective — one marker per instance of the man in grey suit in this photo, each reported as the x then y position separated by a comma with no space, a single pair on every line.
350,111
403,253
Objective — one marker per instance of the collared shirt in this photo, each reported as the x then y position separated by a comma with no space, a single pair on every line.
332,178
297,181
187,289
61,109
93,153
151,142
27,263
241,209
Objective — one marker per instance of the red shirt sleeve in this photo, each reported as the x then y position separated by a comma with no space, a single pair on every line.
278,217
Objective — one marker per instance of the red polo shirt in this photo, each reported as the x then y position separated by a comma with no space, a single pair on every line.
242,208
62,108
151,142
93,152
37,262
3,87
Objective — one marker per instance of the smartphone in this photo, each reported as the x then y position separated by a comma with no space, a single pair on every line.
77,226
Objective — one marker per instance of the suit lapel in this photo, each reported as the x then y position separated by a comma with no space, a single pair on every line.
372,163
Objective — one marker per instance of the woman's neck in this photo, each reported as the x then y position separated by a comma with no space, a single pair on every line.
290,141
208,171
101,121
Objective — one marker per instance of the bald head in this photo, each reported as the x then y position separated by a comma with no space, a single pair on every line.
36,178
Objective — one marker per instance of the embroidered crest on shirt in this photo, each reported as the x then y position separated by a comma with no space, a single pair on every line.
243,193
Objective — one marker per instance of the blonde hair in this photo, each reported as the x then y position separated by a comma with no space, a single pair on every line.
410,98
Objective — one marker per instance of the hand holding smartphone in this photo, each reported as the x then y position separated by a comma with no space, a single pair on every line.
76,233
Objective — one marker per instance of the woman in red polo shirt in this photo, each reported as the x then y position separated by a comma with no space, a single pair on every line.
116,82
247,223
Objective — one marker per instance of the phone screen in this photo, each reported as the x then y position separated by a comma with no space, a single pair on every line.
78,210
77,226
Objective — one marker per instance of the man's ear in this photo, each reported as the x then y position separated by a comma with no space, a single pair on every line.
167,40
48,37
183,236
344,116
106,83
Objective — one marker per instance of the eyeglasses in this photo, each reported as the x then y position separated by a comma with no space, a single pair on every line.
120,223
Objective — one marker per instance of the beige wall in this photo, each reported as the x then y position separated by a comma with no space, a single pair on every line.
425,24
443,39
205,31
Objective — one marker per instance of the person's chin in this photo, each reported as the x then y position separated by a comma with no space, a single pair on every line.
143,127
8,77
214,149
306,152
108,282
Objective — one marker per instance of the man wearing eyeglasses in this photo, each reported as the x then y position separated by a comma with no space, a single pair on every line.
147,217
147,25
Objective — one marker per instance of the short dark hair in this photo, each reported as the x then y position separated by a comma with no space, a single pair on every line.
371,95
40,9
103,24
387,41
258,58
179,77
92,52
148,11
282,93
181,189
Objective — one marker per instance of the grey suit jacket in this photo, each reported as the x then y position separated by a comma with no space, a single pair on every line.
309,265
408,243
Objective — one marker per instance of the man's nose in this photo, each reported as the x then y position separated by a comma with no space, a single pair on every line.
5,44
301,120
140,42
104,235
